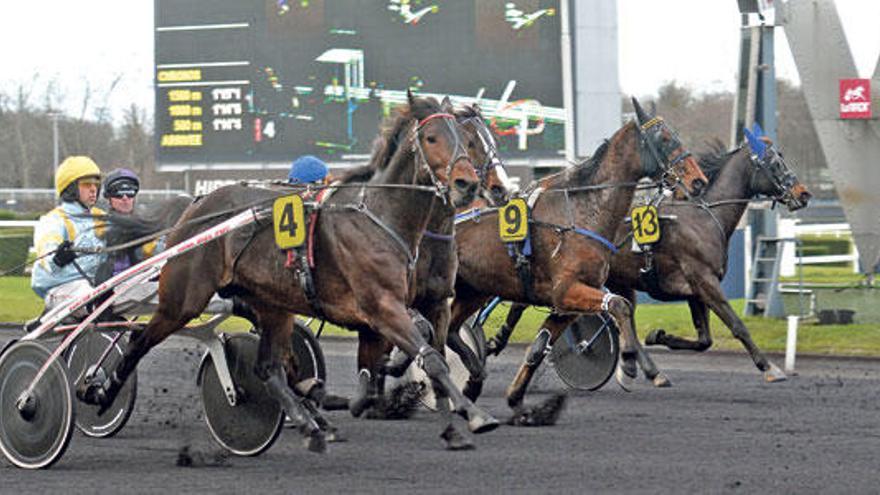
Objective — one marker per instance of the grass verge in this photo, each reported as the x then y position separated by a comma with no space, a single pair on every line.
18,303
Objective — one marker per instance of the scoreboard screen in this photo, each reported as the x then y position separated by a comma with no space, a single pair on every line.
260,82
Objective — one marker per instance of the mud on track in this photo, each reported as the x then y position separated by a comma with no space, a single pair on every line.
719,429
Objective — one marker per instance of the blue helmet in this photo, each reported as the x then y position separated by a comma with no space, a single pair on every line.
305,169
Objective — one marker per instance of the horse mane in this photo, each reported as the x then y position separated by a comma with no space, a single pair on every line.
581,173
387,143
468,112
152,219
713,159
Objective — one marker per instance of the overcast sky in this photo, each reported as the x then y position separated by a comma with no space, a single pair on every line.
92,42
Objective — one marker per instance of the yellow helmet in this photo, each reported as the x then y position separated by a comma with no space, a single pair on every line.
72,169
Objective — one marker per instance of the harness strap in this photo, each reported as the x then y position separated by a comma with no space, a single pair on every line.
473,214
579,230
439,237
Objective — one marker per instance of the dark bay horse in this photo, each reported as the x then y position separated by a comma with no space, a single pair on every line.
574,213
690,260
364,245
435,268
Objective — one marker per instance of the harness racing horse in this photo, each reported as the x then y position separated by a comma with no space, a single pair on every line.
573,213
435,275
690,260
364,243
438,262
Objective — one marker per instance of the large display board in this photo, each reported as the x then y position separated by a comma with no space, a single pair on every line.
262,81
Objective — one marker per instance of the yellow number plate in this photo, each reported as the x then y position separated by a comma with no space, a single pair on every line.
513,221
645,224
288,218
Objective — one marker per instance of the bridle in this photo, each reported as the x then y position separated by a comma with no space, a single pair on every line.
771,164
459,153
655,151
493,159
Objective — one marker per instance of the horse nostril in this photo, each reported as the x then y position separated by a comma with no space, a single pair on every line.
462,185
805,197
699,185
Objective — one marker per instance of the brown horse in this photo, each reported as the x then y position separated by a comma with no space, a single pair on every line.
690,260
364,245
435,272
574,213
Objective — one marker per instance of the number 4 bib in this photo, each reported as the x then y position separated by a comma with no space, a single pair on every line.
288,220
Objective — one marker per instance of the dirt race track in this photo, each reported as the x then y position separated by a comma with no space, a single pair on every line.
719,429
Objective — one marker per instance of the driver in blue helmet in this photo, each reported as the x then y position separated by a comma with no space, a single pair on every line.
307,169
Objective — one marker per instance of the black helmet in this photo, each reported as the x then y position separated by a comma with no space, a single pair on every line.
121,180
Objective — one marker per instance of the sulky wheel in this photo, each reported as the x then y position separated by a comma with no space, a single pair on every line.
253,424
309,357
34,429
474,339
585,355
81,356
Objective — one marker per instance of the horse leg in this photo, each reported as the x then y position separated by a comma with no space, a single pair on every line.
657,377
582,298
171,315
371,348
459,312
499,341
700,318
274,350
547,413
710,292
392,319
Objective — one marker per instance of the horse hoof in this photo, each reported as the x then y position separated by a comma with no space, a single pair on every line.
482,423
774,374
661,381
332,435
654,337
316,442
357,406
625,381
454,440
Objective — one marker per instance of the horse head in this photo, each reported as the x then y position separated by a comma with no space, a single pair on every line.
483,151
663,155
771,176
440,151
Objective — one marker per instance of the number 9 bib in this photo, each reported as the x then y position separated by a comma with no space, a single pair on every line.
513,221
288,220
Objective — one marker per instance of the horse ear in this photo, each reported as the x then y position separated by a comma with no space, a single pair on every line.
477,110
640,112
446,105
409,97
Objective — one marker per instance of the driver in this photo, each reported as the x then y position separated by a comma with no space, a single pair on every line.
74,224
308,169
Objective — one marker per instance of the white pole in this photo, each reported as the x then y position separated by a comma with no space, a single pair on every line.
791,343
567,81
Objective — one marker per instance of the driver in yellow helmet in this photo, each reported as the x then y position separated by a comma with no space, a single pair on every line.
71,226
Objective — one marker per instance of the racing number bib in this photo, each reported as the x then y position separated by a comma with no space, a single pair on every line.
645,224
288,219
513,221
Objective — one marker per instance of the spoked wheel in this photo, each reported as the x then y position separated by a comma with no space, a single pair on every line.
586,353
309,357
35,429
81,356
253,424
475,340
